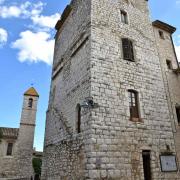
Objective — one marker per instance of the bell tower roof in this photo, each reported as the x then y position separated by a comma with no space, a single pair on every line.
31,92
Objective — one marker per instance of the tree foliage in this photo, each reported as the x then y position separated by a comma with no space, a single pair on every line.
37,163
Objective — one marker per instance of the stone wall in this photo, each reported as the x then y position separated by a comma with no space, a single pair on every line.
65,160
7,163
19,165
24,152
171,79
118,142
91,64
64,148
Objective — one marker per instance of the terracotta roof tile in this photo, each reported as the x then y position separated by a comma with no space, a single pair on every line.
31,92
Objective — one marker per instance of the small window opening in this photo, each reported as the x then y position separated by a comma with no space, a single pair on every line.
169,64
78,123
128,51
178,114
30,103
9,149
133,105
146,155
161,34
124,17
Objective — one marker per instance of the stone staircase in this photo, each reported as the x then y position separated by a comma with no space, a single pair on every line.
63,120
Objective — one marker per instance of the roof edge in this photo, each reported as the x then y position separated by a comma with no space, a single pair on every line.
164,26
63,18
31,92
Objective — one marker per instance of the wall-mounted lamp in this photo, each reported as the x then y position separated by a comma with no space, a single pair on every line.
89,103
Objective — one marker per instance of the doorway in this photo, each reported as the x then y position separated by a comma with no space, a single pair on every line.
146,155
178,114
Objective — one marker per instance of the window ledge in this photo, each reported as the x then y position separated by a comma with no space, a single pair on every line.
137,120
177,70
130,60
8,157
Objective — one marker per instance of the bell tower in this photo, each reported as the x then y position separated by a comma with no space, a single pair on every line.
28,115
26,132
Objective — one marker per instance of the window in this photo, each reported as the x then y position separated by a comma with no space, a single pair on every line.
169,64
9,149
78,122
128,52
30,103
133,105
161,34
178,114
146,155
124,18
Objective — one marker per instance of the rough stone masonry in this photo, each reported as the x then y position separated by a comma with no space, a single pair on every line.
16,145
93,130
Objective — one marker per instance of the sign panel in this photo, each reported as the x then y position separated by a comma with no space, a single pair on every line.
168,163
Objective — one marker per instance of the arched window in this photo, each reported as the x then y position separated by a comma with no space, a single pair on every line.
30,102
133,105
78,118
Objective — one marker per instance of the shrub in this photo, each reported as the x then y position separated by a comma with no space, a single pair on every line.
37,163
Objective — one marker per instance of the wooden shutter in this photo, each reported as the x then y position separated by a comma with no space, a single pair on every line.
128,52
125,45
131,50
9,149
134,111
133,104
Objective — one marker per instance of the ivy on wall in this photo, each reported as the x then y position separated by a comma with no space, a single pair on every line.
37,163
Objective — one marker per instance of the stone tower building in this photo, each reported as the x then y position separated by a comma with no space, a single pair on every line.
170,72
16,147
109,113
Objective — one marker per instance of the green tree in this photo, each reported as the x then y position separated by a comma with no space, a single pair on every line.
37,163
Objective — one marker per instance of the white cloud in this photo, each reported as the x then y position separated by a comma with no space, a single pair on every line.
24,10
46,21
34,47
3,36
177,48
36,44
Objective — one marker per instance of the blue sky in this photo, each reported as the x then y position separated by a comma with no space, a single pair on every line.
26,52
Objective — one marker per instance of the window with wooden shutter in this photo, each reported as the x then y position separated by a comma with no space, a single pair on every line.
9,149
78,122
128,52
133,105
